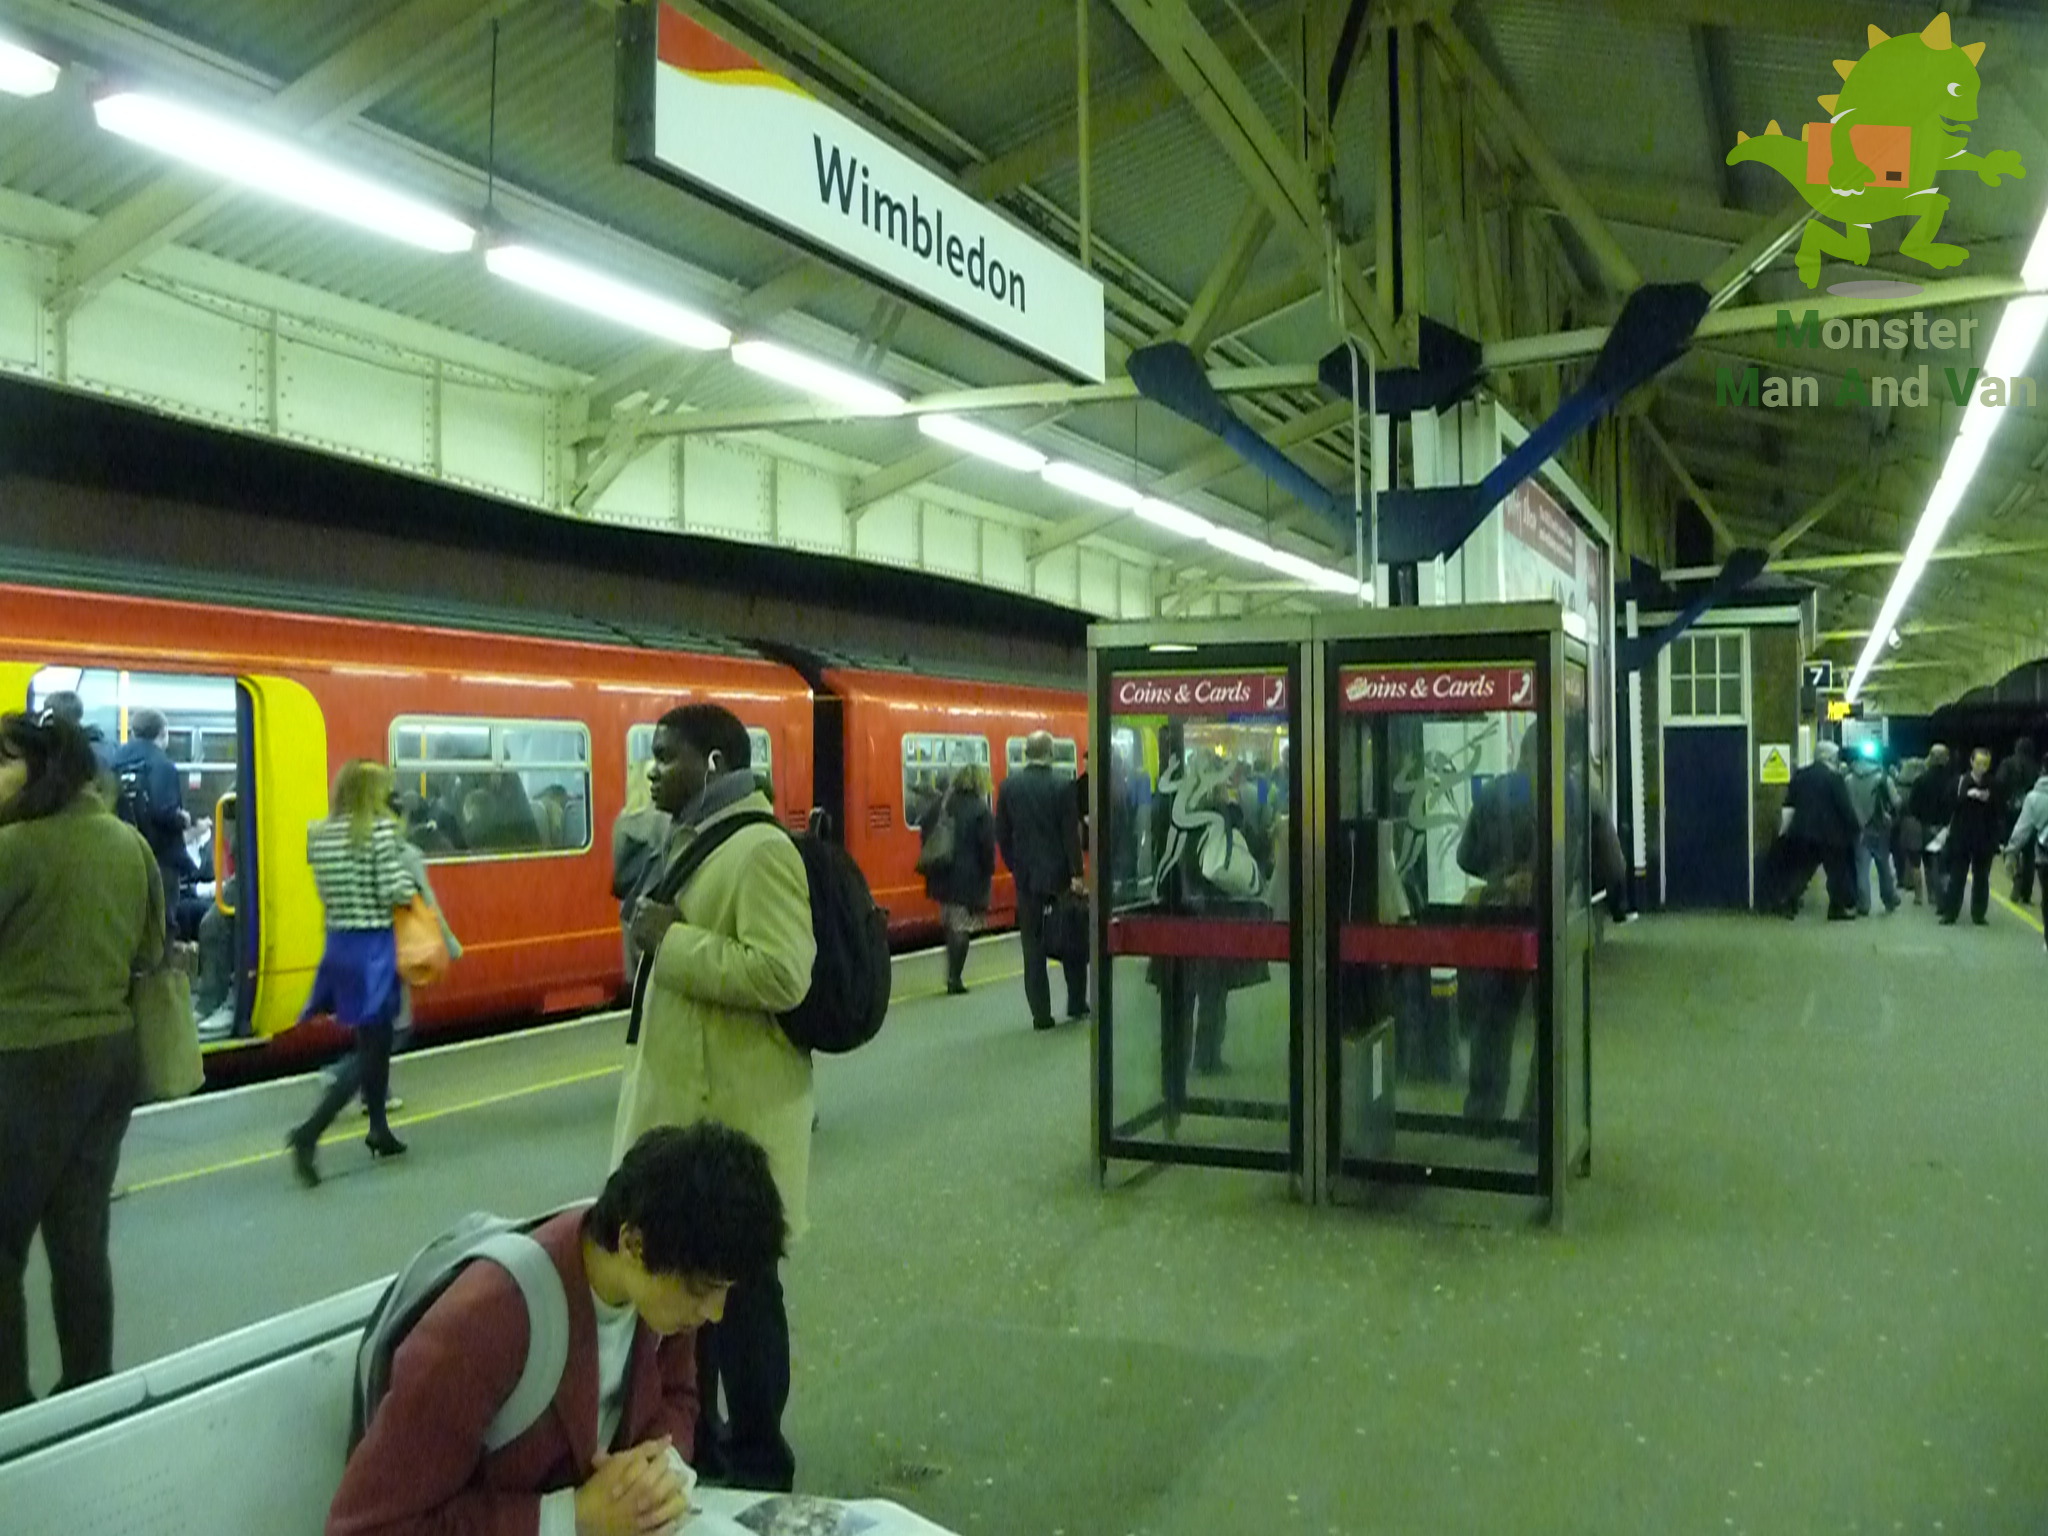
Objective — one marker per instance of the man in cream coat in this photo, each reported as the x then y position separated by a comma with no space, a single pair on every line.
732,951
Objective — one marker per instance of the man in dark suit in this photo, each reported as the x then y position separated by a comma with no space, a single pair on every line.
685,1212
1975,834
1038,829
1821,834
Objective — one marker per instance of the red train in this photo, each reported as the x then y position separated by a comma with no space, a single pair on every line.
514,753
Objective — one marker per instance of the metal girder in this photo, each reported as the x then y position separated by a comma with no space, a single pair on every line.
1700,499
1198,330
361,72
1818,513
1977,549
1709,48
1111,113
1619,272
1234,118
1754,255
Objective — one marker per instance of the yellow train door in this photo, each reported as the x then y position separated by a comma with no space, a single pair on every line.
285,737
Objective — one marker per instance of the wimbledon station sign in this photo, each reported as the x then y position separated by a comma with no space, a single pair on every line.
697,109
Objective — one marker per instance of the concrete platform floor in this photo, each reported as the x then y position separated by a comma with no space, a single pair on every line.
1804,1291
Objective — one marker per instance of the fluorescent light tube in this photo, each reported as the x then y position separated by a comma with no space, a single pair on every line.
821,381
1090,486
1164,514
2012,349
601,295
283,171
23,73
968,437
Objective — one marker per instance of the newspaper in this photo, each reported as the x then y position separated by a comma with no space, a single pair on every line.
736,1512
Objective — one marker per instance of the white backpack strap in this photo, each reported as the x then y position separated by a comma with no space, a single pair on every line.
547,1334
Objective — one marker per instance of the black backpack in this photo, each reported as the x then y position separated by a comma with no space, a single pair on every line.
131,798
849,992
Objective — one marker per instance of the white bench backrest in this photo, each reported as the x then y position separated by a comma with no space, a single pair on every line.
242,1436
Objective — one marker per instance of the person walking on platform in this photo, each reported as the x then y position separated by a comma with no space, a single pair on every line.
1821,833
638,837
2030,838
1876,804
2016,777
958,858
1933,805
726,953
643,1270
361,876
1974,838
81,911
1039,833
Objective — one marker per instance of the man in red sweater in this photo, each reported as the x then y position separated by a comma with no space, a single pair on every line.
685,1212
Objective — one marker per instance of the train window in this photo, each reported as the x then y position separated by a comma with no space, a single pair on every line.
493,788
929,763
1066,755
640,752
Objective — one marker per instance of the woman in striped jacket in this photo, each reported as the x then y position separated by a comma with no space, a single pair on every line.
362,877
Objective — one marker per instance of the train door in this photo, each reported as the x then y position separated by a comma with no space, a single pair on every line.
284,790
192,726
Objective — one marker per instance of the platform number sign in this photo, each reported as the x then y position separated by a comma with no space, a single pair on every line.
1820,675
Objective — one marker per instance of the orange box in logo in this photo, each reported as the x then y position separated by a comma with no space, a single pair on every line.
1886,149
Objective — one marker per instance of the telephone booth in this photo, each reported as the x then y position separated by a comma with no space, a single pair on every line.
1453,822
1199,1041
1343,895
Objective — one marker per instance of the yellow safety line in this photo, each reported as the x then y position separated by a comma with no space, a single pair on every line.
486,1102
2017,910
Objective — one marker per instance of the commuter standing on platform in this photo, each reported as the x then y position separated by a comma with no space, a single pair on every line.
362,878
81,910
2015,779
638,837
2030,837
1821,833
1876,803
728,952
1039,832
651,1261
960,882
1933,805
1974,838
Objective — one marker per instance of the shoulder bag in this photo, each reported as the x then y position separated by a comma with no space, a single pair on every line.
166,1034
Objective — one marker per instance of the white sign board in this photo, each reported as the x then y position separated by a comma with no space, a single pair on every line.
717,120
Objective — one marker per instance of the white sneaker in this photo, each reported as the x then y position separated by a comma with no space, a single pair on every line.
392,1105
218,1023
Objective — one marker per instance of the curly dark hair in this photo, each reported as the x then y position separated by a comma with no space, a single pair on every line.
702,1199
712,728
60,763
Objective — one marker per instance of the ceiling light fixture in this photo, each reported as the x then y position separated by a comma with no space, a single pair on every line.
2012,348
601,295
970,437
821,381
24,72
283,171
1090,486
1164,514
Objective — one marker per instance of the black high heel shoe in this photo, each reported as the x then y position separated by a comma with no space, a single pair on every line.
386,1145
303,1163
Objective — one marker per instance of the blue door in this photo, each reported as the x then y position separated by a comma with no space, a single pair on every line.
1706,816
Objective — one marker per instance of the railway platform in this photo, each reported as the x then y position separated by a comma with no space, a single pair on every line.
1802,1292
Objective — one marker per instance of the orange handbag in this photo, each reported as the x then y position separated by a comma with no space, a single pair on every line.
422,952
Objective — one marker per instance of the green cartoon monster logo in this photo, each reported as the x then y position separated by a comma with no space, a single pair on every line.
1903,115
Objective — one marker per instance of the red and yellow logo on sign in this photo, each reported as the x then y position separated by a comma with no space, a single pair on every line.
697,51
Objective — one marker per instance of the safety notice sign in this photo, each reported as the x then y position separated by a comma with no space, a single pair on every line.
1774,762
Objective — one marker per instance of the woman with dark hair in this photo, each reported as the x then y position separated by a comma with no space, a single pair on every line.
81,911
361,875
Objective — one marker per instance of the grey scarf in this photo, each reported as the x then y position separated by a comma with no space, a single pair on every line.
719,794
